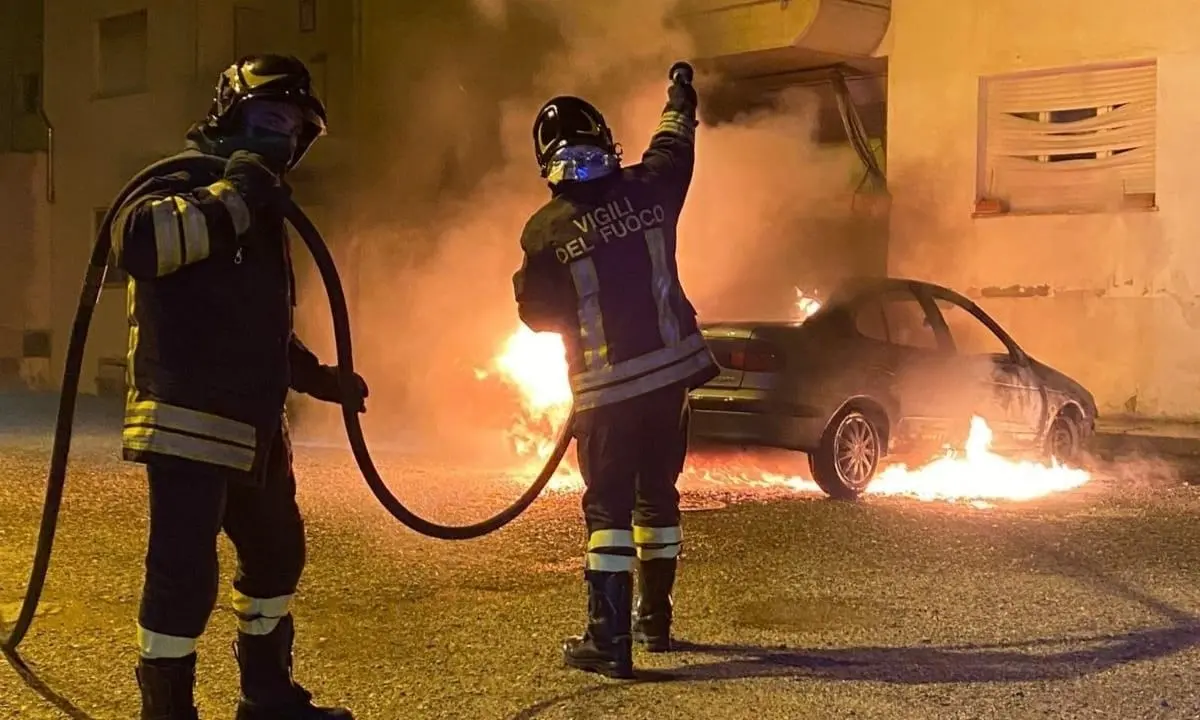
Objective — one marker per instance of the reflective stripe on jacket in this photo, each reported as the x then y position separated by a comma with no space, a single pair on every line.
212,352
600,270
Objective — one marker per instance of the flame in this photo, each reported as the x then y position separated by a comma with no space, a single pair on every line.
534,365
978,474
805,306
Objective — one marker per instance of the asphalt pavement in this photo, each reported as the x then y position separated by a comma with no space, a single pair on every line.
1083,605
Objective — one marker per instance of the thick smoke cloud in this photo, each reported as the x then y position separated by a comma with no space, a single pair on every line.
449,181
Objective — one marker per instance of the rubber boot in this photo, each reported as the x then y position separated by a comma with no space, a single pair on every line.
166,685
268,690
606,646
652,625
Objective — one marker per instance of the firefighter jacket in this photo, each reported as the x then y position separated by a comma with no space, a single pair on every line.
600,270
210,301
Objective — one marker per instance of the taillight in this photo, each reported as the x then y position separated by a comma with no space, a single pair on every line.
758,356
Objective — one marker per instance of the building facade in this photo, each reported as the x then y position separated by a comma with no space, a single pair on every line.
1026,167
24,200
1040,159
128,78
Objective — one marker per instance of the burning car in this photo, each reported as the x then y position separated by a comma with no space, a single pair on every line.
885,367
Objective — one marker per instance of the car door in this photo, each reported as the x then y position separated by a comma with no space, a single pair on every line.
919,357
993,372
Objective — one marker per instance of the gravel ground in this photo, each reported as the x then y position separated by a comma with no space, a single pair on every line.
1079,606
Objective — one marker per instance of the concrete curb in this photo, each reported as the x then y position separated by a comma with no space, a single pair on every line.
1117,443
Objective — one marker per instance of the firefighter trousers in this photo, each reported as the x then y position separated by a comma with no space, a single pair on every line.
190,503
630,455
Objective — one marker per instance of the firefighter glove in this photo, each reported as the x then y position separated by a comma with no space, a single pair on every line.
681,97
328,388
254,180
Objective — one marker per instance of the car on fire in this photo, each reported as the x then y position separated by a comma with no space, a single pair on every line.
885,367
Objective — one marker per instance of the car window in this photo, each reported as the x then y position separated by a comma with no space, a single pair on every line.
906,322
869,321
971,337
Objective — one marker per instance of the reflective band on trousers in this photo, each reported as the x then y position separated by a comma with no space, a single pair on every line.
610,551
610,539
603,562
154,645
157,427
260,616
658,543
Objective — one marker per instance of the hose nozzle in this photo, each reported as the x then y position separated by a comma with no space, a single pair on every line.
681,73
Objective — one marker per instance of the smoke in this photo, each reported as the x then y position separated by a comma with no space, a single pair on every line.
448,182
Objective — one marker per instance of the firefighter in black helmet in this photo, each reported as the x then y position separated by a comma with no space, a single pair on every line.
600,270
212,355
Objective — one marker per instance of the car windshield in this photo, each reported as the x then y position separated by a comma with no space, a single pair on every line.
971,337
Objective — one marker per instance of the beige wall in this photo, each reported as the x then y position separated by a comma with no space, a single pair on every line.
1116,298
102,141
24,243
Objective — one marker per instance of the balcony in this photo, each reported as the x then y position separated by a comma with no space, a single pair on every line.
755,38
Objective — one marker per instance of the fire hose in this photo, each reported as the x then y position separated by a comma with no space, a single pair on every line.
90,296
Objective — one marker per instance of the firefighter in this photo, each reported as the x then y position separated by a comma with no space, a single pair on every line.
212,354
599,268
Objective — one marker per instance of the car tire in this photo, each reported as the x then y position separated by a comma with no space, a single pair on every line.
1064,440
851,448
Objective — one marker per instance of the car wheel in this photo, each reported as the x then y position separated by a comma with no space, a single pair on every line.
1063,441
848,457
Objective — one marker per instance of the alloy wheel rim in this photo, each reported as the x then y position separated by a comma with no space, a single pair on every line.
857,450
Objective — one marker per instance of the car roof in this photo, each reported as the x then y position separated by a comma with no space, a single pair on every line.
855,287
848,291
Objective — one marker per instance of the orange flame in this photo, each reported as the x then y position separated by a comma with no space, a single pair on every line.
805,306
534,365
978,474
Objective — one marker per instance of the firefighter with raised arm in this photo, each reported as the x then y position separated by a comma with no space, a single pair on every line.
212,355
600,270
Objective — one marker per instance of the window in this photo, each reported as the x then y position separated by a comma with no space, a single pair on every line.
971,337
308,15
122,54
870,322
1080,140
29,93
907,323
115,277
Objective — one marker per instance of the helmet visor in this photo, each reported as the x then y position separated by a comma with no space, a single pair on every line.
276,118
580,163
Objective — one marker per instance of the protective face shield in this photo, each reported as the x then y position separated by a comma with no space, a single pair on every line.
580,163
278,79
272,129
572,141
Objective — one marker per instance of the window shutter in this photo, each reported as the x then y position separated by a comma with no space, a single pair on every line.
1035,160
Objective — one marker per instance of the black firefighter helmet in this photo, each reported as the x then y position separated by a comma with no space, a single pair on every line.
282,78
567,121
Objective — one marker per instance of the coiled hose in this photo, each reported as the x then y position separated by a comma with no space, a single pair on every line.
90,295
